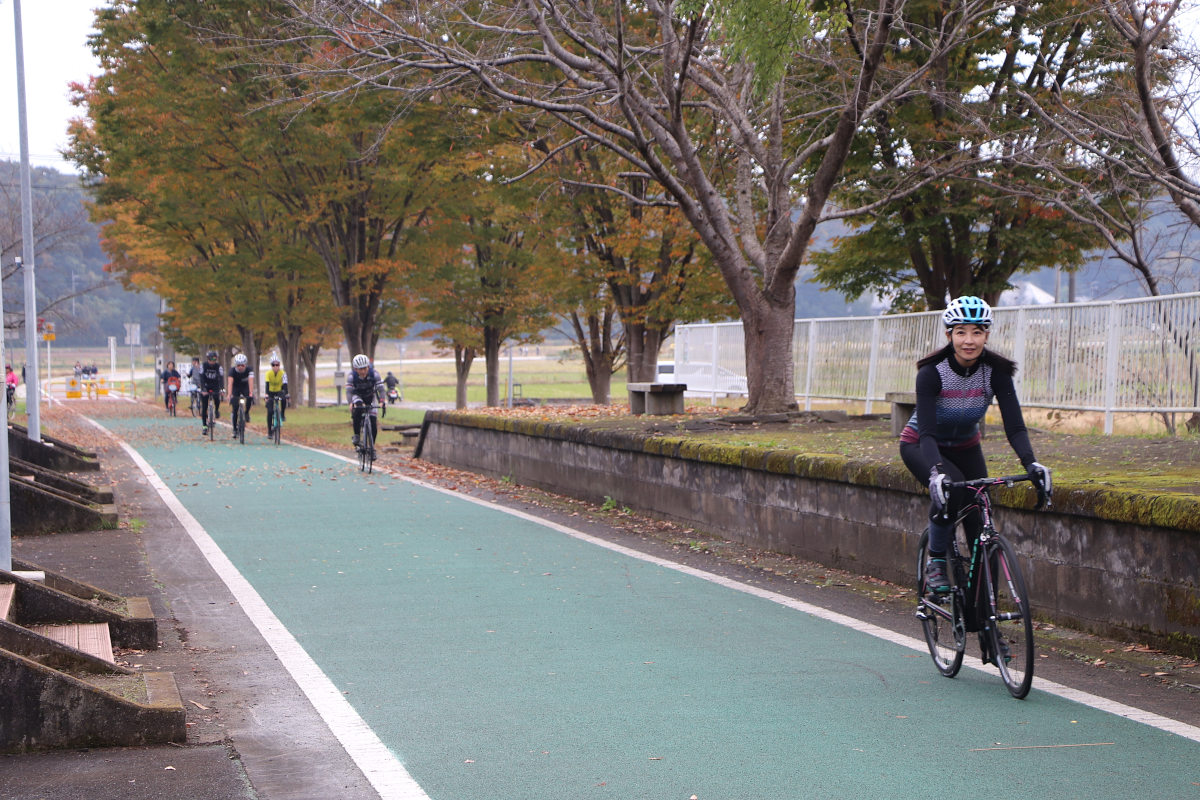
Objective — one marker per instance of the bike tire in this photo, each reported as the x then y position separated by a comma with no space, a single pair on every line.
1010,621
366,450
212,420
276,424
241,424
945,633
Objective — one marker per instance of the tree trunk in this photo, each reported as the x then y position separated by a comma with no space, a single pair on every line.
769,368
491,360
463,356
308,356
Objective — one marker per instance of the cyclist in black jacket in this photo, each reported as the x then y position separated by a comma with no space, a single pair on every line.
241,384
210,379
364,389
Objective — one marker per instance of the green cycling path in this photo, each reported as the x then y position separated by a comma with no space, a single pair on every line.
497,657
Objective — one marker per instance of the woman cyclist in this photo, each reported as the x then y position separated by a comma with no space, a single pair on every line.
171,381
941,442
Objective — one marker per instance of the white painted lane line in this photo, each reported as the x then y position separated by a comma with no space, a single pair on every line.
378,764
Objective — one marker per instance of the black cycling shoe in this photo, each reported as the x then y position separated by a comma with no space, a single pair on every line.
936,579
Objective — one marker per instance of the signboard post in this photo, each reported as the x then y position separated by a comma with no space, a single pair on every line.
133,337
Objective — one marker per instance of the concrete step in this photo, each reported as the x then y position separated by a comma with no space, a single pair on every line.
90,637
59,599
78,705
6,597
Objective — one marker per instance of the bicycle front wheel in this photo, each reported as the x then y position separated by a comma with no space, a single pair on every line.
241,426
1010,620
941,619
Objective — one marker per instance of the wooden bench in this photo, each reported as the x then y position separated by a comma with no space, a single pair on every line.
656,398
903,406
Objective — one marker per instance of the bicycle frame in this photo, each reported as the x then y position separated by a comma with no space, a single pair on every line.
987,592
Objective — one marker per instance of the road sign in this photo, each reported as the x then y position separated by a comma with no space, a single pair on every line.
133,333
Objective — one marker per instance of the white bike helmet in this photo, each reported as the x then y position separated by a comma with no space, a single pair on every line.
360,361
239,360
967,310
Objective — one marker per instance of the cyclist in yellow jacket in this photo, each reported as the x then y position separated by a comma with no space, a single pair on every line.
277,386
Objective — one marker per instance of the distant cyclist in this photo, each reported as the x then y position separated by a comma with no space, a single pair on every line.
210,381
364,389
941,442
171,381
10,384
276,383
241,384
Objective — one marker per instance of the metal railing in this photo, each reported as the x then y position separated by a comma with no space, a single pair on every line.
1112,357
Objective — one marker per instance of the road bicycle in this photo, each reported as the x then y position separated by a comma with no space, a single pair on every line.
274,420
210,415
366,442
11,395
194,402
987,596
239,420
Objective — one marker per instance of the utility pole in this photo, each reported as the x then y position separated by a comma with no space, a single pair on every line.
33,388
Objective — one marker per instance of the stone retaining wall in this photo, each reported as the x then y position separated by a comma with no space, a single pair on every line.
1106,561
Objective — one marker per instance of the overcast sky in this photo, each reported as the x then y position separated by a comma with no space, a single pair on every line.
56,53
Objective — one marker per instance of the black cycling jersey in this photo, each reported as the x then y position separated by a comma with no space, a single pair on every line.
211,377
242,381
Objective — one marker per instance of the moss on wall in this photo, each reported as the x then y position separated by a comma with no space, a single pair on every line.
1179,512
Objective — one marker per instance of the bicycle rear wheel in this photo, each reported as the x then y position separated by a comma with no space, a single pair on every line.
942,622
1011,622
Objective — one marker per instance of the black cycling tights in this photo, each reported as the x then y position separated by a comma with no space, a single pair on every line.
959,464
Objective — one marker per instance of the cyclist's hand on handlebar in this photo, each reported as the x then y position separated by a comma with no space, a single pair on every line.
939,489
1040,476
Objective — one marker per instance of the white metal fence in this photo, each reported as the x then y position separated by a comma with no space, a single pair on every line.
1120,356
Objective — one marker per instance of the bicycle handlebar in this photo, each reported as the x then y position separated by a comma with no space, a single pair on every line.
1006,480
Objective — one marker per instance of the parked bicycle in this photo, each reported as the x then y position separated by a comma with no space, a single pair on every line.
987,596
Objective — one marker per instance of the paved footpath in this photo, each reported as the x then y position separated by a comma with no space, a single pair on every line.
461,651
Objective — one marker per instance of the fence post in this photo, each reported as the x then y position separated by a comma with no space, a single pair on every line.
1110,368
871,364
716,332
1019,350
808,369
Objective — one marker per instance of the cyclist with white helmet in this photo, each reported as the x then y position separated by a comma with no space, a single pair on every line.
241,384
364,392
941,442
209,380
